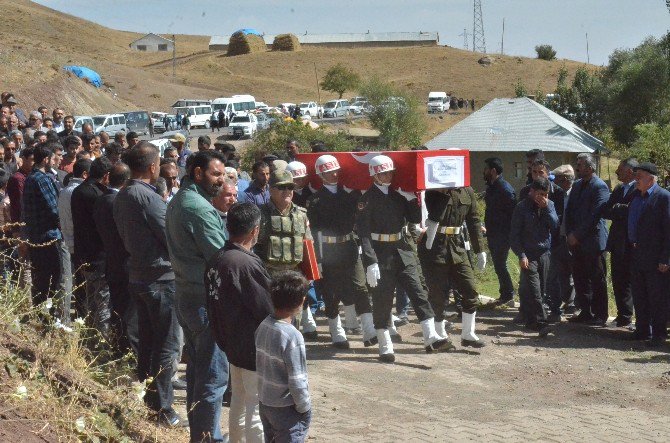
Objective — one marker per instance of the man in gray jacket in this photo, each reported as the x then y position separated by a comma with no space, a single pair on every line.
139,213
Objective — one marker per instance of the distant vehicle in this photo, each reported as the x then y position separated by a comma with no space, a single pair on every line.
162,144
137,121
79,121
311,109
198,115
234,104
260,106
190,102
438,102
336,108
110,123
359,107
158,119
358,99
243,125
264,121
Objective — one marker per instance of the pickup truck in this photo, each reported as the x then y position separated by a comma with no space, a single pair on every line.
243,125
312,109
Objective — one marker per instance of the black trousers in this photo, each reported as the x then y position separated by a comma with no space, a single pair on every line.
405,276
589,272
560,286
441,277
650,297
532,286
346,283
621,283
499,252
46,271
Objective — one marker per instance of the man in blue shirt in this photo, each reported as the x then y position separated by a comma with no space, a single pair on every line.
500,202
649,240
533,221
258,191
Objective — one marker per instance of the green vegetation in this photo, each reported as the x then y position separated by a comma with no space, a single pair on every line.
545,52
340,79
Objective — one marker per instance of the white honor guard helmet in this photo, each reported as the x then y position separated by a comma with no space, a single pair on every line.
379,164
326,163
297,169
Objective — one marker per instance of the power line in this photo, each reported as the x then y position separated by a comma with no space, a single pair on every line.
465,38
478,40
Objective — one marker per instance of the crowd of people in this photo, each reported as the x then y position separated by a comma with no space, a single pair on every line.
185,253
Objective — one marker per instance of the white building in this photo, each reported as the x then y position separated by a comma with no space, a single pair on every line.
152,43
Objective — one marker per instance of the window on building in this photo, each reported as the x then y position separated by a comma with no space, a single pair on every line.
518,170
162,47
141,47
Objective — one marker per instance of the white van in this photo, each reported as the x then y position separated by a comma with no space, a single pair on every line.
198,115
110,123
336,108
234,104
438,102
79,121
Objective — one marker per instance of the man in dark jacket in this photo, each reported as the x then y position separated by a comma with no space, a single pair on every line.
616,210
500,201
238,289
533,221
88,246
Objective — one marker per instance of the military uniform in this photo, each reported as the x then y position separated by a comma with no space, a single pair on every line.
301,196
280,240
332,216
446,264
380,223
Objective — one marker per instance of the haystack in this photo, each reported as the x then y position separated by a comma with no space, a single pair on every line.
241,43
286,42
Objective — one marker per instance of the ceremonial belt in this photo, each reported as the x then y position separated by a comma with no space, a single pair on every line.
386,237
450,230
337,239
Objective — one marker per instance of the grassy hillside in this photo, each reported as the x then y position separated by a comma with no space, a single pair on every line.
39,41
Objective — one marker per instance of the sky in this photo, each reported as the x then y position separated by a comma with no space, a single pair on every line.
563,24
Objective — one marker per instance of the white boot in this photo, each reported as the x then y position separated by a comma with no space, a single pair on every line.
468,337
350,319
385,346
441,329
431,340
369,333
308,324
395,336
337,334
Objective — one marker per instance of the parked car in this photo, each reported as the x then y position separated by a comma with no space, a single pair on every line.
358,99
110,123
137,121
264,121
359,107
158,119
243,125
79,121
336,108
311,109
438,102
162,144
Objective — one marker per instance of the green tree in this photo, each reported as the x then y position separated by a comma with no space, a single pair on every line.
395,114
520,89
652,143
545,52
340,79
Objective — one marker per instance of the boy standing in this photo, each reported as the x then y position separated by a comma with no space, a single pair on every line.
283,392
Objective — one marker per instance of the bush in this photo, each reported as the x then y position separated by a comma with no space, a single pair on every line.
545,52
340,79
273,140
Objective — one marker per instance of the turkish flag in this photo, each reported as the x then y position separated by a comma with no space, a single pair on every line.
414,170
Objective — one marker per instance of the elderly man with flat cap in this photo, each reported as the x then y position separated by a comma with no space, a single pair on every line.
649,237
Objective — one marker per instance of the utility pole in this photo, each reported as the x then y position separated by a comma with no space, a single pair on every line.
318,91
465,38
174,58
502,40
478,40
588,58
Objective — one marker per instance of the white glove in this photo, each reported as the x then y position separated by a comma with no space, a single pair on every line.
372,274
431,232
409,196
481,261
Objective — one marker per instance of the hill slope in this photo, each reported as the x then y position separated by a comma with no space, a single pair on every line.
40,41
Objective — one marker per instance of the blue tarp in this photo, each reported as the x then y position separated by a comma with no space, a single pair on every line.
247,31
87,73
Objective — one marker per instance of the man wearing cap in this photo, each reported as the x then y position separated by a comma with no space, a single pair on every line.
616,210
332,213
389,258
283,228
178,140
649,240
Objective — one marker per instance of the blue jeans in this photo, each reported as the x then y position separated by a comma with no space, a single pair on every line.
157,339
206,373
284,425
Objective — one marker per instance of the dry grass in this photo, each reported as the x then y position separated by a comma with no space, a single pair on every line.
286,42
241,43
